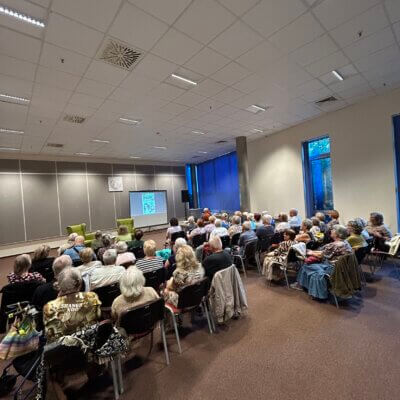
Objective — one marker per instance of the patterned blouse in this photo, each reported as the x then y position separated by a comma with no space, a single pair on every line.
29,277
332,251
234,229
282,251
380,229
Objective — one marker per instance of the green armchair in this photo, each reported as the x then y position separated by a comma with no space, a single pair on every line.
80,229
129,222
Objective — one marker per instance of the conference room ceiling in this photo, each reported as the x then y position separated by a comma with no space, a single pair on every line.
277,55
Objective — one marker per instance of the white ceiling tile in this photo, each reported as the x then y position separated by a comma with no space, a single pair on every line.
94,88
19,46
97,14
303,30
260,57
347,71
381,71
137,27
231,74
204,19
209,105
86,100
236,40
103,72
317,49
332,13
190,99
369,22
137,84
327,64
396,28
72,35
207,61
328,78
56,78
16,87
168,11
176,47
306,88
393,9
174,108
352,82
368,45
155,67
317,95
80,109
355,91
166,92
270,15
239,7
17,68
63,60
228,95
50,95
378,59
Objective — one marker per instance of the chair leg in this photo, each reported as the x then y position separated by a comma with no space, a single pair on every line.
286,279
115,379
175,329
243,267
258,262
164,339
207,316
211,315
119,371
336,301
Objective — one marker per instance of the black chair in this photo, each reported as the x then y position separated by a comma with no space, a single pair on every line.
138,252
142,320
226,241
15,293
44,267
190,297
76,263
176,235
264,244
312,245
249,254
277,238
107,295
198,240
296,229
235,239
155,278
361,253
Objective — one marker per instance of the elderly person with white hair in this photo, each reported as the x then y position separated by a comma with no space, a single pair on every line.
236,226
247,235
74,250
266,229
219,230
191,224
294,218
88,262
150,262
125,257
171,259
134,293
21,273
217,260
224,219
312,276
107,274
72,310
211,225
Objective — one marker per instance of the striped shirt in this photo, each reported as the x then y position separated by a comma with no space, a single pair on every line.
149,264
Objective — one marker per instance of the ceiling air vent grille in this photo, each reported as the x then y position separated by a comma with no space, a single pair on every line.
326,100
119,54
56,145
221,141
196,157
75,119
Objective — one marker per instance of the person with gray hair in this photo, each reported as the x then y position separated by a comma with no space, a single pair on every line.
134,293
294,218
72,310
355,239
236,226
21,273
363,223
305,234
217,260
312,276
125,257
247,234
108,273
219,230
266,229
74,250
283,223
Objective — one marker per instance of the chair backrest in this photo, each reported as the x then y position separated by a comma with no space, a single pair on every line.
264,243
296,229
64,357
312,245
142,319
107,294
277,238
198,240
128,222
80,229
138,252
78,262
176,235
235,239
45,268
292,256
226,241
192,295
155,278
360,253
250,249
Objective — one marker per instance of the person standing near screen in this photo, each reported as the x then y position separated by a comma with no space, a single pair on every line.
174,227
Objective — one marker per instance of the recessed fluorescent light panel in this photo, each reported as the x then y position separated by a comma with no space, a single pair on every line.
159,147
337,75
130,121
13,99
181,78
13,131
100,141
254,108
202,152
199,133
9,148
82,154
134,157
22,17
257,130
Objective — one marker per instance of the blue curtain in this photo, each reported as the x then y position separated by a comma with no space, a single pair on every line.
218,183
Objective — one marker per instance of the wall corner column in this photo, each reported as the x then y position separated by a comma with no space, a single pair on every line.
243,172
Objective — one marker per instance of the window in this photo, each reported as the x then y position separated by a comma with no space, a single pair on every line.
318,175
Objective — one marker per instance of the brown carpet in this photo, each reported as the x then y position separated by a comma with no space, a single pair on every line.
287,347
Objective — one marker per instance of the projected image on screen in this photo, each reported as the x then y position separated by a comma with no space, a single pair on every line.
148,208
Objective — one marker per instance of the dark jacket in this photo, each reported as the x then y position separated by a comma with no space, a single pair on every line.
346,276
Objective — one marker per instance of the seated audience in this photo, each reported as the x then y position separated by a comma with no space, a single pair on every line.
206,214
107,274
271,272
191,224
224,219
125,257
236,226
200,230
49,291
97,242
334,219
137,242
377,228
356,240
134,293
305,235
257,220
211,225
72,309
71,238
219,230
188,271
174,227
170,264
74,250
363,223
266,229
21,273
316,227
312,276
106,245
321,217
88,263
217,260
247,235
295,219
41,262
124,234
283,223
150,262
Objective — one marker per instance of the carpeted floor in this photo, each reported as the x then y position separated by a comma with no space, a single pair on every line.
287,347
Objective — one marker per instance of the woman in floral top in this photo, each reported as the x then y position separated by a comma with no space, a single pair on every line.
21,267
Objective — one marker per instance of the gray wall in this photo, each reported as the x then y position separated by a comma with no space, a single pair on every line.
38,199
